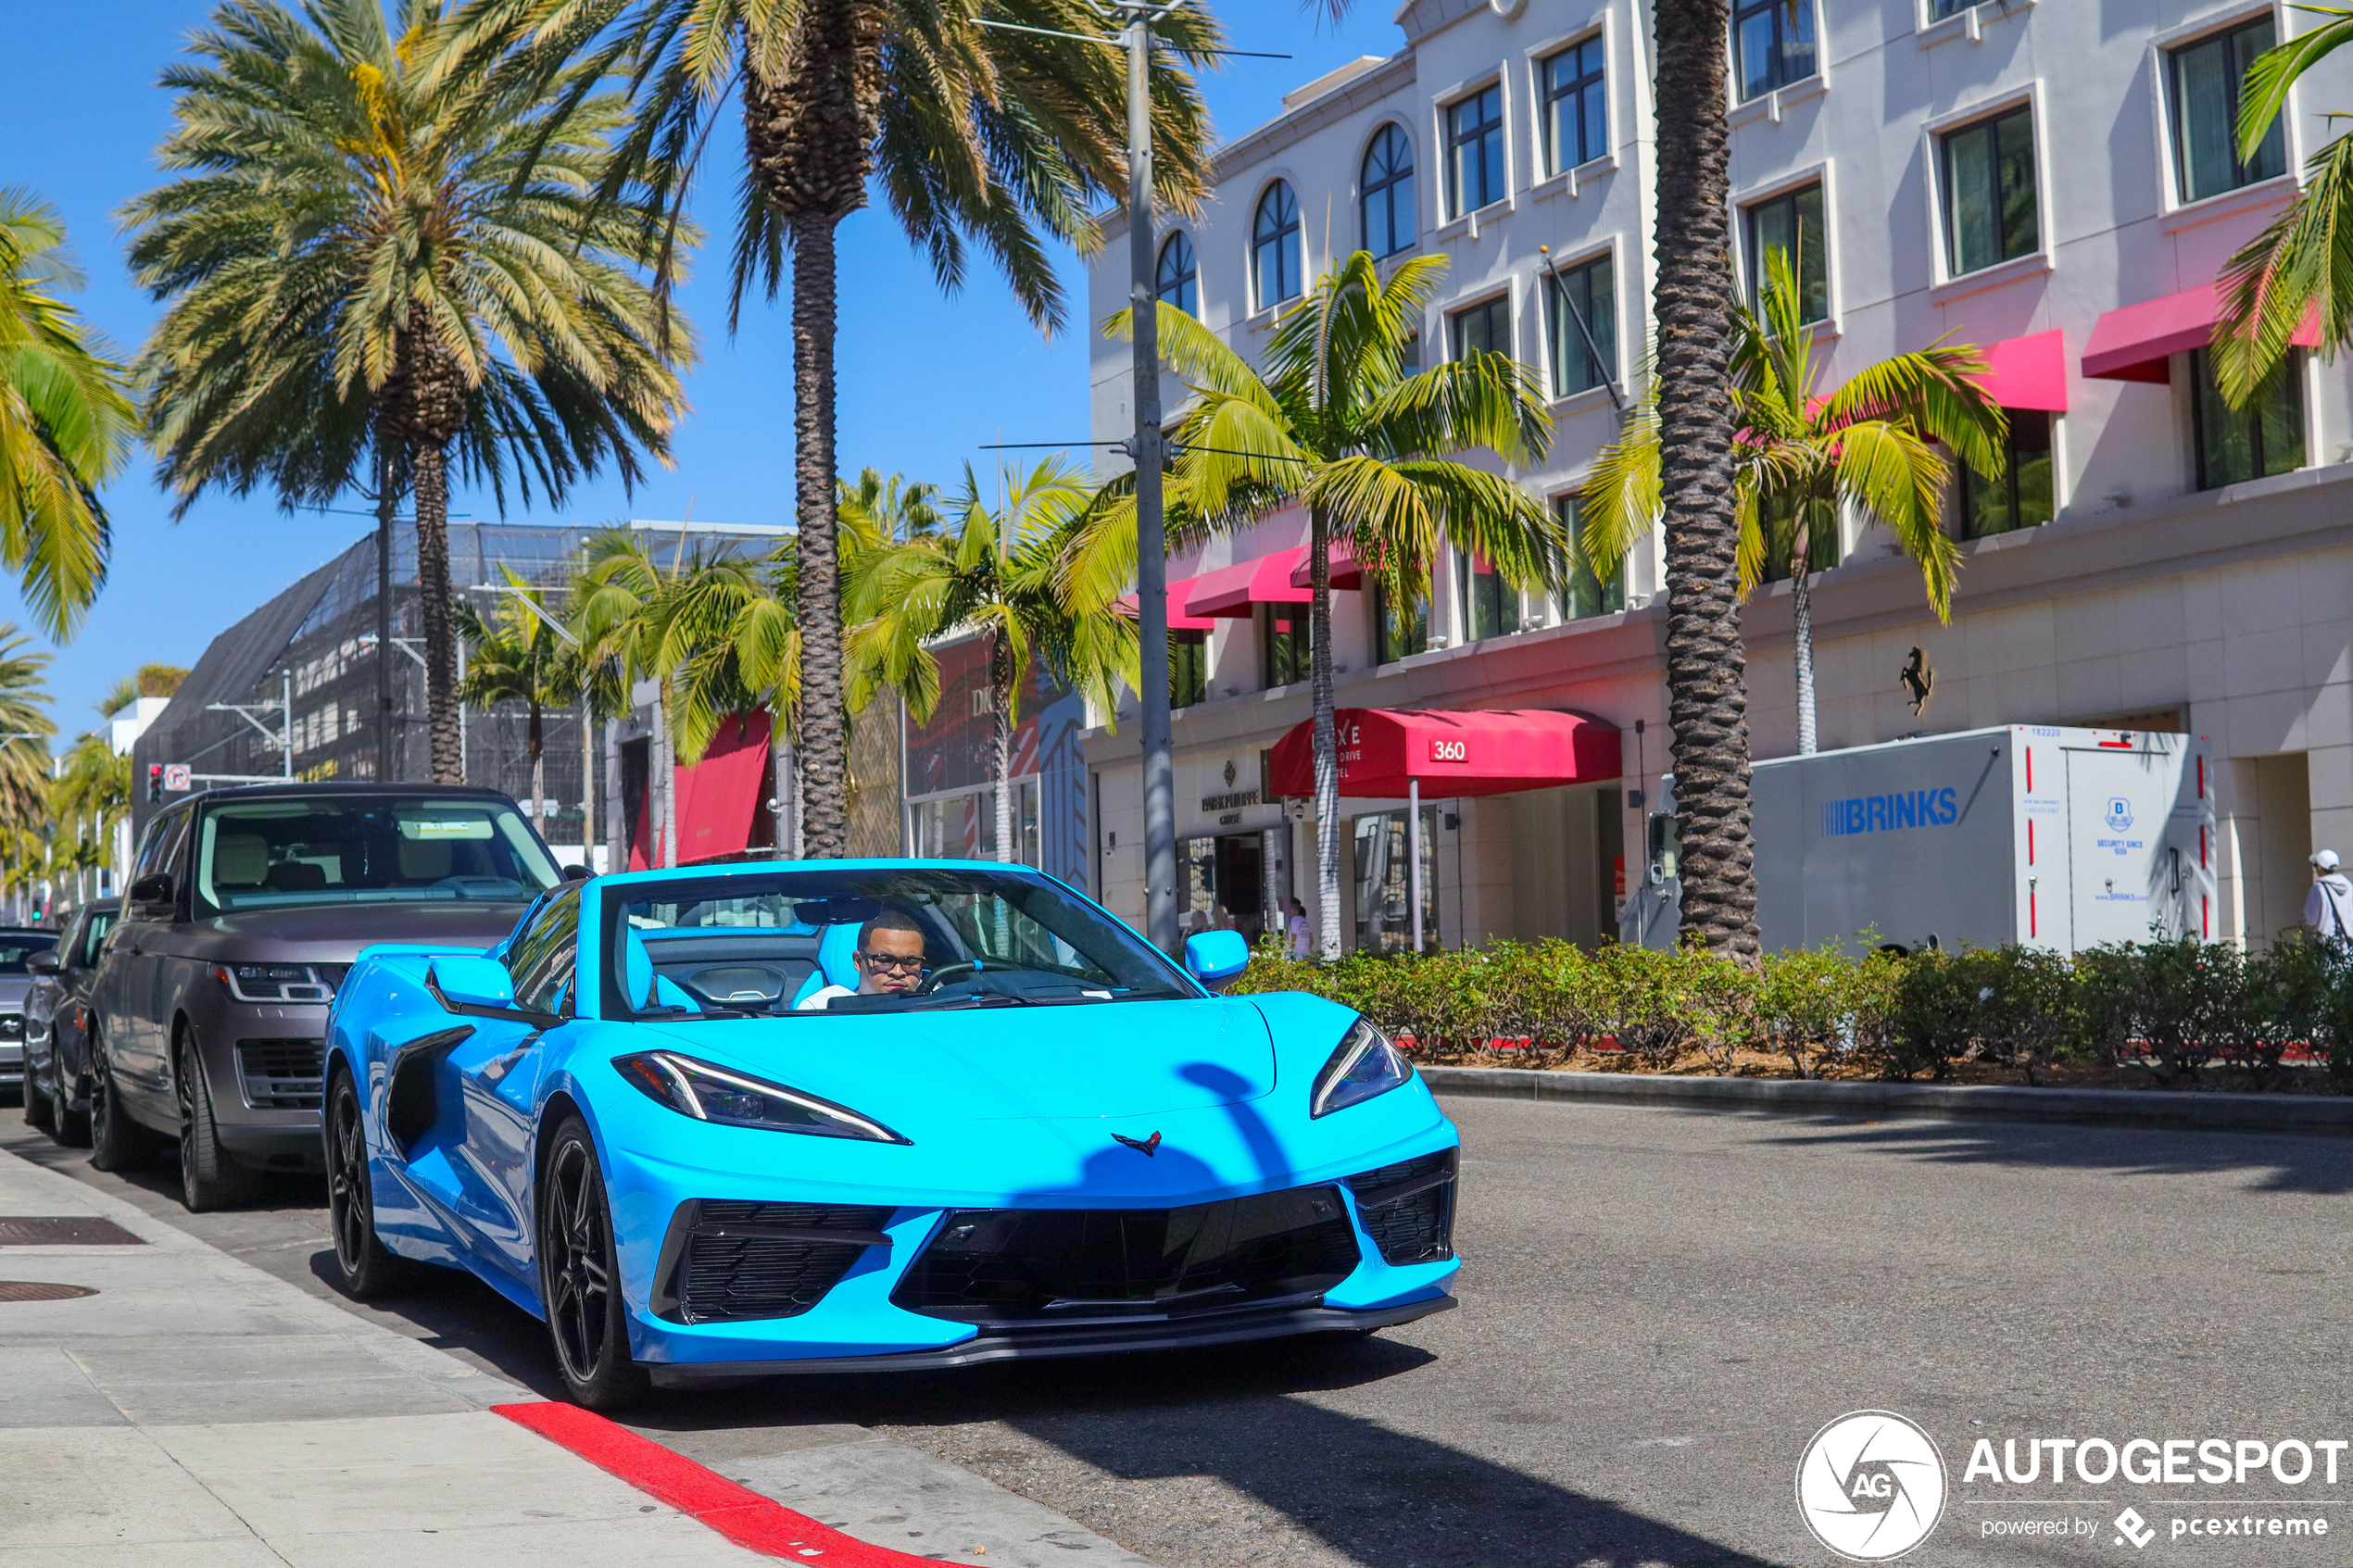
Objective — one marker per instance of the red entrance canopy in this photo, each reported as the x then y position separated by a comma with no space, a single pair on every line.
1484,751
1229,591
2136,342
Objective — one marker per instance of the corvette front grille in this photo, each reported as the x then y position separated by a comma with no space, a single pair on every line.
1040,1267
1408,1208
727,1261
282,1074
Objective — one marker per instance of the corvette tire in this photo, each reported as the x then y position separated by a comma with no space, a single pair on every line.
210,1176
580,1276
117,1143
40,1111
365,1267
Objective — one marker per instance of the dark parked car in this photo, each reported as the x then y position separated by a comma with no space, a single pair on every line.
18,946
56,1026
245,908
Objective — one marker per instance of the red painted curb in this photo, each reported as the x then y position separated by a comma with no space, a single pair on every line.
742,1515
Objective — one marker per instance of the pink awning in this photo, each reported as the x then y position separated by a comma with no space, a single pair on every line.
1178,619
1346,573
2135,342
1230,591
2028,373
718,796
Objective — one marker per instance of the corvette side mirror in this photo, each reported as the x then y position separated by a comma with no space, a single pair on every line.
1217,957
465,981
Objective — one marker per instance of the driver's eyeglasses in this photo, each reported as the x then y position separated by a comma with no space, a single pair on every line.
884,961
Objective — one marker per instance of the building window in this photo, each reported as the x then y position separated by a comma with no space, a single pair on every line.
2021,496
1273,246
1397,633
2207,79
1575,107
1390,225
1586,594
1282,644
1772,44
1490,605
1989,191
2237,445
1580,327
1475,142
1792,224
1484,328
1188,670
1178,282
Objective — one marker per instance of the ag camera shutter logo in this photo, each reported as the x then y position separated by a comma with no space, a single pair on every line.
1871,1485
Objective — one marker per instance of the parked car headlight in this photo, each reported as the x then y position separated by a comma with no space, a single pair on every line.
278,982
737,1099
1365,1065
11,1026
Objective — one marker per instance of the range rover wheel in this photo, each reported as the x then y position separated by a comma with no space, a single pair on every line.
209,1177
368,1268
580,1276
117,1143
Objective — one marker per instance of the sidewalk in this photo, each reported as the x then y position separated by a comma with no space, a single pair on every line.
198,1413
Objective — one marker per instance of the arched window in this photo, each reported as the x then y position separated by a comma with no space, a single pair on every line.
1273,246
1178,281
1388,193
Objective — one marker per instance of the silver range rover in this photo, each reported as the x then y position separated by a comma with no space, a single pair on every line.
18,945
245,910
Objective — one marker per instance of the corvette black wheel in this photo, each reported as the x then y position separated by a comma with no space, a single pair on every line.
117,1143
369,1269
210,1176
580,1276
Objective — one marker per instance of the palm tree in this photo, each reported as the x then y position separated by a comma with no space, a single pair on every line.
91,792
385,252
1799,456
66,420
2296,268
995,131
517,654
999,575
1336,425
25,731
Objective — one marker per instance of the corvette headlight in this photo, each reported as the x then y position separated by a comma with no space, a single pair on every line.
737,1099
1365,1065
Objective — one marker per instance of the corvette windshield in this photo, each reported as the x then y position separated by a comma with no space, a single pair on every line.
813,943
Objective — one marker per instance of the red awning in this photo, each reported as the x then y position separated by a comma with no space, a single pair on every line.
718,796
1178,619
2028,373
1484,751
1228,592
2135,342
1346,573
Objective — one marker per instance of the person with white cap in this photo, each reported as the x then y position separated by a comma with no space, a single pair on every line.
2326,906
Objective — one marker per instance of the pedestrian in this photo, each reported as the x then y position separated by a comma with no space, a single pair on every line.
2330,901
1296,928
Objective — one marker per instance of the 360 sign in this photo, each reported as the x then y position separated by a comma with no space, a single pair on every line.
1442,750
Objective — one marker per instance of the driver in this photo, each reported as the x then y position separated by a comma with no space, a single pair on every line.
889,959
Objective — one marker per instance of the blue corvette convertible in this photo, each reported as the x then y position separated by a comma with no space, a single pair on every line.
726,1121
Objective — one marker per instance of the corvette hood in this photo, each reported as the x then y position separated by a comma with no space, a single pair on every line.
1111,1060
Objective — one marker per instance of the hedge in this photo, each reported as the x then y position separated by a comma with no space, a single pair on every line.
2178,1010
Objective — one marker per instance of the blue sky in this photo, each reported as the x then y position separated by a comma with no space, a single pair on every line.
923,378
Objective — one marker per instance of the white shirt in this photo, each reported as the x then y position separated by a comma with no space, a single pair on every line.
2329,905
819,1001
1300,936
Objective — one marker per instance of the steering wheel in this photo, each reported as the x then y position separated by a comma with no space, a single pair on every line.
932,981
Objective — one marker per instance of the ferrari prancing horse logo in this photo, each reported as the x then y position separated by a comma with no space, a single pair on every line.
1148,1147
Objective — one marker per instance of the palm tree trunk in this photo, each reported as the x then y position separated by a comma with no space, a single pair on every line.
824,737
588,784
1707,667
1326,743
430,465
665,768
1801,598
1001,745
535,743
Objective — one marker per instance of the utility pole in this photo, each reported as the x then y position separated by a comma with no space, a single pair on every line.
385,500
1152,557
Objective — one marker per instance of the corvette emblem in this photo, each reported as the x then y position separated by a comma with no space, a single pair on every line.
1145,1147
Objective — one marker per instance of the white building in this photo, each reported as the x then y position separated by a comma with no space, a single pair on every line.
2052,181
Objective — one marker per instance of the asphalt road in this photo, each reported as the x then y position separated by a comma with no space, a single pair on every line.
1659,1310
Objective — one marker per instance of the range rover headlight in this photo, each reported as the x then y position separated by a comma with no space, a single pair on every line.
277,982
709,1093
1365,1065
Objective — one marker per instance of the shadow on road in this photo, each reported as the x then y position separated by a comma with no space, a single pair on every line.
2279,1163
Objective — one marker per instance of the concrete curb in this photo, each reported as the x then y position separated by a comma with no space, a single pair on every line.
2307,1115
